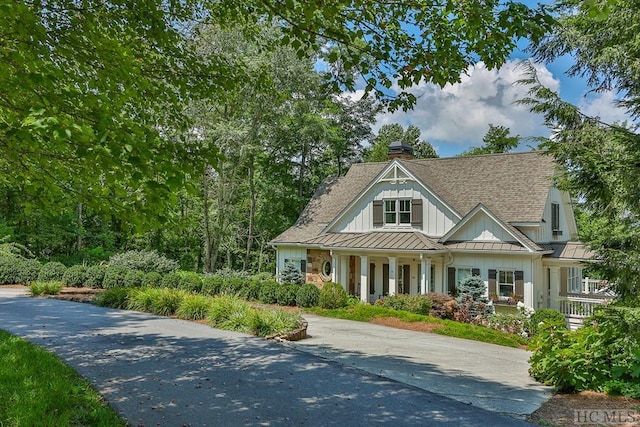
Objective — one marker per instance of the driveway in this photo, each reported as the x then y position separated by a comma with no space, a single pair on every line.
168,372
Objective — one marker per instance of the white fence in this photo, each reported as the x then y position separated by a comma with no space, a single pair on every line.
578,305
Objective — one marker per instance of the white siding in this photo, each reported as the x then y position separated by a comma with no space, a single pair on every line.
482,228
511,262
533,233
290,252
437,219
567,222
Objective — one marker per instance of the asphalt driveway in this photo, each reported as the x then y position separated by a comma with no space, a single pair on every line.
166,372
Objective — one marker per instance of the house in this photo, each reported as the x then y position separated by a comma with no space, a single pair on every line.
417,226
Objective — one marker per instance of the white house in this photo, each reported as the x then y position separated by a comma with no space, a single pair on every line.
418,226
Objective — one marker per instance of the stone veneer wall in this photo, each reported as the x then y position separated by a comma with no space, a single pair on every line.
315,260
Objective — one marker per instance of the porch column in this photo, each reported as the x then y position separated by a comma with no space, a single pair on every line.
364,278
335,260
554,286
344,272
393,284
425,269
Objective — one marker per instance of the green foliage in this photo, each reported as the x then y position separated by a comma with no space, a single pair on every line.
75,276
546,317
134,278
603,355
38,389
308,295
45,288
185,280
113,298
332,295
145,261
418,304
211,285
290,274
232,313
379,150
513,323
95,276
496,140
233,285
152,279
114,276
193,307
286,294
443,306
163,302
472,304
269,292
171,280
15,270
52,271
277,322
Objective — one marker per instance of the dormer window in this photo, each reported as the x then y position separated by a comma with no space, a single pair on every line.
555,219
397,211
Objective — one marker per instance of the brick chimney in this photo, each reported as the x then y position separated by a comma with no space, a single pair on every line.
400,150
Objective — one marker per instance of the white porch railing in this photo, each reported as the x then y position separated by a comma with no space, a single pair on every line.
579,307
597,288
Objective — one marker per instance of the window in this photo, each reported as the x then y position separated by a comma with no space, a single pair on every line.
389,211
326,268
300,264
574,280
457,275
397,211
506,283
555,219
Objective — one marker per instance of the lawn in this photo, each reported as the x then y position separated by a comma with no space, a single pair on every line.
372,313
39,389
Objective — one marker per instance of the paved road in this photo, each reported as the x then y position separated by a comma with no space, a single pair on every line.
166,372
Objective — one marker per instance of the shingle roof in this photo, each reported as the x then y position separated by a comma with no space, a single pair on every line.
513,186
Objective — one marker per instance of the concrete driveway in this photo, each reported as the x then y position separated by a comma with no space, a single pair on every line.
166,372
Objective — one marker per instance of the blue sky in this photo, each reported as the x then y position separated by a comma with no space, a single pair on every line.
457,116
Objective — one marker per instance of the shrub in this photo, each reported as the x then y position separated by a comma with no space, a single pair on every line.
75,276
134,278
443,306
211,285
114,275
45,288
308,295
232,313
167,301
194,307
603,355
26,270
52,271
472,303
269,292
189,281
113,298
547,316
333,295
146,261
250,291
290,274
418,304
152,279
233,285
141,299
510,323
286,294
277,322
95,276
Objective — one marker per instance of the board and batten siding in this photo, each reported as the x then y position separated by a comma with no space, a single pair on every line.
523,263
290,252
566,218
437,219
482,228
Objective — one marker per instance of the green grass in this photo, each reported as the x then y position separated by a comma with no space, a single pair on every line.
45,288
37,389
366,313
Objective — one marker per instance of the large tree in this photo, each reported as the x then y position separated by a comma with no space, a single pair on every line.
601,160
92,93
378,151
498,139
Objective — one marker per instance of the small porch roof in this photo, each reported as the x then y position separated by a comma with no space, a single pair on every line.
379,240
569,251
487,246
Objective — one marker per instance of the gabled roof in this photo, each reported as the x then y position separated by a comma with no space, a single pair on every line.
514,187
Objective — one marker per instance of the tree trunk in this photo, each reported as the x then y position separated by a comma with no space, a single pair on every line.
252,212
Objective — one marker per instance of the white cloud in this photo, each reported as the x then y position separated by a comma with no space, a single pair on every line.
457,116
603,106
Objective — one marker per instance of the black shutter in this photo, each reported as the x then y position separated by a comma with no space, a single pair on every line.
378,213
303,266
416,212
492,283
519,276
475,272
451,280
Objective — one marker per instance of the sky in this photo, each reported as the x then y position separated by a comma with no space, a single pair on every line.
456,117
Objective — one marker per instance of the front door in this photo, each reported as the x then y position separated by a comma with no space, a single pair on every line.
385,279
352,275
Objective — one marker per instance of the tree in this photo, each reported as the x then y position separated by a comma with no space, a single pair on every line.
93,93
600,160
379,149
496,140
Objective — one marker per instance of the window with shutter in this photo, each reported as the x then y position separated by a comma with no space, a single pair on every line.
492,283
